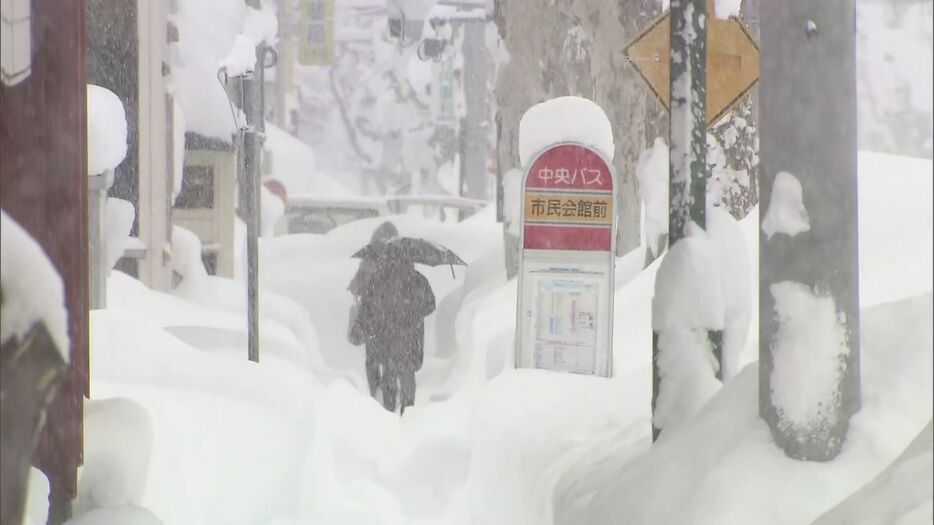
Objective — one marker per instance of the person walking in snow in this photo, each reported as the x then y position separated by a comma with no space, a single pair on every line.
394,301
375,358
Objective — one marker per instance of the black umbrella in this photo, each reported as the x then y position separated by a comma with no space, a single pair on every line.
418,251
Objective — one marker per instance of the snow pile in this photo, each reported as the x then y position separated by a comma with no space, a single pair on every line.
786,212
32,287
724,9
186,256
242,56
128,515
902,493
272,209
259,26
119,215
896,227
528,426
732,248
36,511
688,303
107,130
212,32
293,163
117,447
723,466
564,119
652,173
810,351
512,200
228,434
284,320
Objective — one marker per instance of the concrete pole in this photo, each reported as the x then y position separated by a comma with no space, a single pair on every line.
808,129
687,138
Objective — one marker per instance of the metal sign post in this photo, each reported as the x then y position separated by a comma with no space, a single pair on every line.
566,266
687,191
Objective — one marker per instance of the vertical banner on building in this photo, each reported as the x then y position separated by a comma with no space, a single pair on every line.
316,47
442,88
566,268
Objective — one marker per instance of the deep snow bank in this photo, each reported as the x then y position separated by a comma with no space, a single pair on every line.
723,467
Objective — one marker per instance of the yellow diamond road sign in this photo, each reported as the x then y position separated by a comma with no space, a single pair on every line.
732,62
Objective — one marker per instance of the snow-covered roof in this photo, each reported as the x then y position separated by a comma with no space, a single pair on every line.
213,34
293,164
32,288
106,130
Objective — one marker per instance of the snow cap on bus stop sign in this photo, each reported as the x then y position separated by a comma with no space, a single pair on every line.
564,119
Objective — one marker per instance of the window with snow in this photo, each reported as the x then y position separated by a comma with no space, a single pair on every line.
15,41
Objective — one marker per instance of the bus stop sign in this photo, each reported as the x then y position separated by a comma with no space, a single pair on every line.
565,303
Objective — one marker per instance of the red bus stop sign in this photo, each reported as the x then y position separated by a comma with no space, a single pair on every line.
568,201
564,318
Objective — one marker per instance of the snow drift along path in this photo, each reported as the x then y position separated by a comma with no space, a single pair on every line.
723,467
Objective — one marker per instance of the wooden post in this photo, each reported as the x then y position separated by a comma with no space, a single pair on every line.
43,186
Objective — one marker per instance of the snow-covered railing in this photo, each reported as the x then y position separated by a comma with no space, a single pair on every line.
463,206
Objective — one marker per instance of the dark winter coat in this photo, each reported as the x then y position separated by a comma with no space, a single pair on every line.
393,305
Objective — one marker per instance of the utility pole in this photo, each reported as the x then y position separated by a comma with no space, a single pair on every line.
249,167
687,141
474,131
808,138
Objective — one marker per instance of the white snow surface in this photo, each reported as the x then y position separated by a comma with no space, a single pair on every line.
242,56
723,467
283,320
126,515
733,249
293,164
724,9
119,215
272,209
896,227
688,293
809,353
32,288
117,448
212,33
786,212
282,443
901,494
36,511
512,200
652,174
107,130
564,119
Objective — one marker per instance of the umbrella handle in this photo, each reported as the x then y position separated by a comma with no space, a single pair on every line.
452,272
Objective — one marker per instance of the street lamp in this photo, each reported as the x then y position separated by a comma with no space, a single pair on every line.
245,92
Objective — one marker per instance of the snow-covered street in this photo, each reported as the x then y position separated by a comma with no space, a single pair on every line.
181,424
467,262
